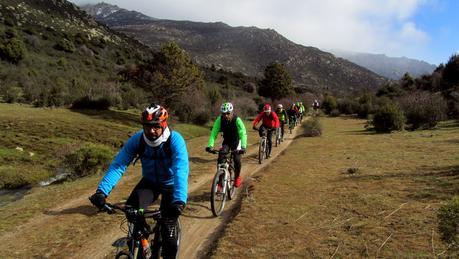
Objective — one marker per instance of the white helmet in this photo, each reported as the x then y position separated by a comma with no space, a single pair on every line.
226,107
280,106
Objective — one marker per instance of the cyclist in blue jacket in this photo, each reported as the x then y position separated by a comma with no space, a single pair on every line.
165,170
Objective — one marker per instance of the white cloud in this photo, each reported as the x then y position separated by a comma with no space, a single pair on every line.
382,26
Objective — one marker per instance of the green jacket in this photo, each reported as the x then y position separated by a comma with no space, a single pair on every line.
232,130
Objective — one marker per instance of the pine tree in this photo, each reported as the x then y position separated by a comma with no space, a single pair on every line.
170,74
276,83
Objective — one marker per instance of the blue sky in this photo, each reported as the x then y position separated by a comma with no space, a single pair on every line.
422,29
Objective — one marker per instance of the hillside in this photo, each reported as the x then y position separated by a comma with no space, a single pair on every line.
52,53
243,49
390,67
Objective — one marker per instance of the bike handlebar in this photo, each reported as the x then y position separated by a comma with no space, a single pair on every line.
215,151
129,211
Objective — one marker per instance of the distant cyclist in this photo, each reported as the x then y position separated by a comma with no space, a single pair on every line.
234,137
165,169
300,108
270,122
283,118
293,114
315,106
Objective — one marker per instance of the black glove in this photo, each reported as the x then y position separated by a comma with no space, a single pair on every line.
242,151
209,149
175,210
98,199
254,128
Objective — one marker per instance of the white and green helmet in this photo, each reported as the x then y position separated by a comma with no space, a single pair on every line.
226,107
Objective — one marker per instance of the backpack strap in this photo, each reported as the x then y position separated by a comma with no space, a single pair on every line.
142,144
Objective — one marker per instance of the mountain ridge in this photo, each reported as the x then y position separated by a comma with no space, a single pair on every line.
248,50
390,67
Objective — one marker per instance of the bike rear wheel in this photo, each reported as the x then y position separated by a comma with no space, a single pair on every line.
218,194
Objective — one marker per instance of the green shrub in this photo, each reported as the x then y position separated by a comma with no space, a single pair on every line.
312,127
388,118
12,94
423,109
13,50
88,160
329,104
448,223
65,45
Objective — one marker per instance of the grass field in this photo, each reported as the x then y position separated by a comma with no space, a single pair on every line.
307,204
34,141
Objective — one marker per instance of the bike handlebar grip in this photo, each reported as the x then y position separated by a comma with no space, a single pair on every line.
108,209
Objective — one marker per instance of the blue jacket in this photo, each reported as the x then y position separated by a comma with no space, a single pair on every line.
163,172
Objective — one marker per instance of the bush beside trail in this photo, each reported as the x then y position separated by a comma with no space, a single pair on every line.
312,127
88,160
388,118
448,224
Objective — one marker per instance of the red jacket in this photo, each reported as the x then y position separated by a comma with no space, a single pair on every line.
271,121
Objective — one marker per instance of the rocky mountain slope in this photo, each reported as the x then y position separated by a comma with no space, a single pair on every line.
242,49
52,53
390,67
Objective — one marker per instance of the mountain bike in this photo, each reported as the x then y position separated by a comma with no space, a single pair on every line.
223,182
142,241
263,148
278,136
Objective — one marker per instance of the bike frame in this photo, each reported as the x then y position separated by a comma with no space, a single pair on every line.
134,235
225,173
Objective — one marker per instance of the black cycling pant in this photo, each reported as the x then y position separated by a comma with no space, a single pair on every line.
263,130
230,146
144,194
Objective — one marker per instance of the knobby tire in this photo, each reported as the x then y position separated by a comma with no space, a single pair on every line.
261,150
231,189
217,200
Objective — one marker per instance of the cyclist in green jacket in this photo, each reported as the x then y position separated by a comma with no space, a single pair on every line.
283,118
234,137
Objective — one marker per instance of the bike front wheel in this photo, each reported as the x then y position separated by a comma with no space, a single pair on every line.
278,137
261,150
123,255
218,193
231,189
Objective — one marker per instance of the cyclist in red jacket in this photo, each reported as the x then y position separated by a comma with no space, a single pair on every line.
270,122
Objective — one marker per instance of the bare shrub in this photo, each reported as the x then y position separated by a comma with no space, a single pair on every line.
335,113
423,109
245,106
192,107
312,127
348,106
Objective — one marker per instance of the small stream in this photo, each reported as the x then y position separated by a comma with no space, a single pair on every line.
8,196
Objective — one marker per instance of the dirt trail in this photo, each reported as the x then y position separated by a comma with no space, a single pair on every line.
74,230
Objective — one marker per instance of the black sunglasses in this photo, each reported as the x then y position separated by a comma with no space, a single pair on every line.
155,126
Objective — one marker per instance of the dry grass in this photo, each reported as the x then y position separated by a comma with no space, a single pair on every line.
304,206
